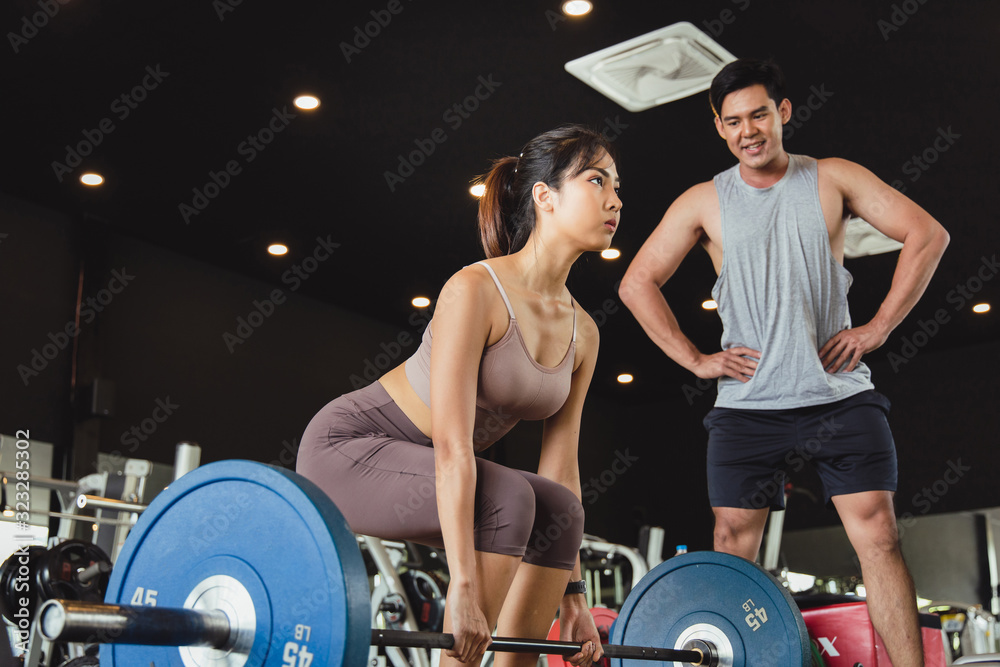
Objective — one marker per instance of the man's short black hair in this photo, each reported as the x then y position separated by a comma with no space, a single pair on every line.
744,73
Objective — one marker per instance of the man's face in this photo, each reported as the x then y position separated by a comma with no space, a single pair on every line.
750,122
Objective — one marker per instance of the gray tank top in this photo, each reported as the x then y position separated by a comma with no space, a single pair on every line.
780,291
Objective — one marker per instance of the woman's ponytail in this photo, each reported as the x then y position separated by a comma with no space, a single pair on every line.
495,207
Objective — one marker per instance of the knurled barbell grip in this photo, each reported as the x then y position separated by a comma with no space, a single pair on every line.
693,656
405,638
71,621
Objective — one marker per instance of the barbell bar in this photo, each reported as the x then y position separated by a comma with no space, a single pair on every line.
72,621
268,549
431,640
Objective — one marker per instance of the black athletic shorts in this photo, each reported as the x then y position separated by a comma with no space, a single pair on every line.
750,452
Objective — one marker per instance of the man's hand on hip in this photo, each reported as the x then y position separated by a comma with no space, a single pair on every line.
848,346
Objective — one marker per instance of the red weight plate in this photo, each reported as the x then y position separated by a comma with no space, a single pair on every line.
603,617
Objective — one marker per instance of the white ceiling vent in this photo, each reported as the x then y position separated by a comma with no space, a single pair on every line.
655,68
862,239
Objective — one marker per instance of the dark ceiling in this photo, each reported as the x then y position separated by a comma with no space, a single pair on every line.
894,77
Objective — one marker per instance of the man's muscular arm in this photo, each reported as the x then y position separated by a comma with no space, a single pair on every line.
924,241
654,264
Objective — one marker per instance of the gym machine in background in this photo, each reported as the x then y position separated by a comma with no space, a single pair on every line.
93,519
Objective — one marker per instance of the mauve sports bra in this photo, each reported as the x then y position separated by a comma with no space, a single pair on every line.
512,385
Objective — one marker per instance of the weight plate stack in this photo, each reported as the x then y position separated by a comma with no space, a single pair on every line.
61,568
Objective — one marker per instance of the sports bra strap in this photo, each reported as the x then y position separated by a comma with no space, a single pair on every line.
500,288
506,301
573,303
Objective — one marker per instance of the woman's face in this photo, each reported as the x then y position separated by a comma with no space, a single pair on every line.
587,206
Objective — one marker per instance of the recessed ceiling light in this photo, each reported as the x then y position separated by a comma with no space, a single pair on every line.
981,308
625,378
421,302
577,7
306,102
91,178
709,305
478,190
611,253
277,249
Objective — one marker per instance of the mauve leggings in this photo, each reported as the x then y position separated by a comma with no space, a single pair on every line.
378,468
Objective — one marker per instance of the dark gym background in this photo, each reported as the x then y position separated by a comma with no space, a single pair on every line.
893,78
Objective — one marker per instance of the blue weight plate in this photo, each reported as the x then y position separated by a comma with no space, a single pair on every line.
274,532
706,594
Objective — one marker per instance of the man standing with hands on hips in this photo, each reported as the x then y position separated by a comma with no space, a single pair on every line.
774,227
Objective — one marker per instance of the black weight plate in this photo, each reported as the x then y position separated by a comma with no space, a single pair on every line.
60,568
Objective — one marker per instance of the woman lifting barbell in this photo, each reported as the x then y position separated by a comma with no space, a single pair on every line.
398,457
